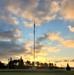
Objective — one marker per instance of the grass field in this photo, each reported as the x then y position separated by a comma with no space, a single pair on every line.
52,72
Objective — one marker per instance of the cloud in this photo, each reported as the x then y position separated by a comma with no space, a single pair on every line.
71,28
66,60
9,48
29,44
42,53
72,60
56,37
68,43
7,17
26,5
46,49
53,49
40,50
29,11
55,6
42,38
40,47
67,9
52,36
40,11
9,29
30,49
31,24
41,59
10,32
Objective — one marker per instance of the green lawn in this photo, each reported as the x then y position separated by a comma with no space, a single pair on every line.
37,72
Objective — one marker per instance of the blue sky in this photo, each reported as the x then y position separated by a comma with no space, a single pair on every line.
54,21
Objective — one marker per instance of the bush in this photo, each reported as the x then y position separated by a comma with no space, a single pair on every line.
68,67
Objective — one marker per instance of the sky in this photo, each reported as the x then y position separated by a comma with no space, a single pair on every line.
54,33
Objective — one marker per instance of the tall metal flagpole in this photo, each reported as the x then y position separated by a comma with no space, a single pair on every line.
34,43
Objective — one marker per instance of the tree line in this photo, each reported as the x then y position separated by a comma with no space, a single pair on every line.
20,64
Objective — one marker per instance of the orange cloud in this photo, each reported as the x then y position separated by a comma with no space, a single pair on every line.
54,36
67,9
29,43
53,49
28,24
42,53
68,43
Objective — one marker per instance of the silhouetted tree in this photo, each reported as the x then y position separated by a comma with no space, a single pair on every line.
21,63
68,67
41,64
2,65
45,65
37,63
28,63
51,65
10,64
15,63
55,66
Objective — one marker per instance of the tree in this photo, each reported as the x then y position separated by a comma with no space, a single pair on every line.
41,64
2,65
15,63
45,65
10,64
37,63
21,63
51,66
68,67
28,63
